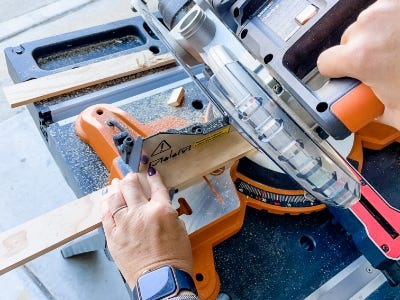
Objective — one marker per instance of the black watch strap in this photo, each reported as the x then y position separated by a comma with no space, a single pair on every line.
161,283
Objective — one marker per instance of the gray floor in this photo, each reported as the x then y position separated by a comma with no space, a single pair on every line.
19,8
31,183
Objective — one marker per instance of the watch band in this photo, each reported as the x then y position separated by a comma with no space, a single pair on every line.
185,297
162,283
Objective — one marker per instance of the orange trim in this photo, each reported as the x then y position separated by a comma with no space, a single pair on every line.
358,108
374,136
203,240
91,127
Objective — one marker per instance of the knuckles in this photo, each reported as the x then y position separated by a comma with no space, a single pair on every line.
131,179
161,211
112,195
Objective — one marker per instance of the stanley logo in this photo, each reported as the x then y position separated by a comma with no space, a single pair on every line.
164,152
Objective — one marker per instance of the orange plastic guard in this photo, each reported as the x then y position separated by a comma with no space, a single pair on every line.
374,136
91,127
358,108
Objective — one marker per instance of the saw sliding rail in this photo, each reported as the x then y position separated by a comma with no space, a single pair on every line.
241,93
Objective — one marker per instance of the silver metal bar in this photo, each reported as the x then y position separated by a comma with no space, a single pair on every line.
357,281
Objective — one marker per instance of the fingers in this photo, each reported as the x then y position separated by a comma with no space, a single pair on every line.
132,190
159,191
114,197
130,193
334,62
350,32
106,218
112,200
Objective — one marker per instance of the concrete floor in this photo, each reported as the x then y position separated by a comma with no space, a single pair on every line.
31,183
18,8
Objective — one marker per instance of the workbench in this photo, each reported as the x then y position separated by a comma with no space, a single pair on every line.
273,256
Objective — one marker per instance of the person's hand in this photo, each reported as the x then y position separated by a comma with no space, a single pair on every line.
142,229
370,52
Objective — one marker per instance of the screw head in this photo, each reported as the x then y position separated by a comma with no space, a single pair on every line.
19,50
277,88
385,248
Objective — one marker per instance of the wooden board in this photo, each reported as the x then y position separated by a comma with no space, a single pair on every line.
89,75
29,240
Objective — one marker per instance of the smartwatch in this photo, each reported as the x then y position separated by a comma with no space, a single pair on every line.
162,283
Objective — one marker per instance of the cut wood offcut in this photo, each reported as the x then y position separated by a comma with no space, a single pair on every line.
67,81
176,97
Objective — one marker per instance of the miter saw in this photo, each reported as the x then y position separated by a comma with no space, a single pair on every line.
260,63
258,67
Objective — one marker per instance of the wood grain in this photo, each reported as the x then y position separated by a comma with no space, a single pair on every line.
38,236
64,82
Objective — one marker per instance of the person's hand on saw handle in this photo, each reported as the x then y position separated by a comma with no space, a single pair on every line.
142,229
370,52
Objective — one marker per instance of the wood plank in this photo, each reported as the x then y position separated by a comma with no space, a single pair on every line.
64,82
38,236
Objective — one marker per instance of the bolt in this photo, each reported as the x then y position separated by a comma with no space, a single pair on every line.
19,50
368,269
385,248
277,88
321,133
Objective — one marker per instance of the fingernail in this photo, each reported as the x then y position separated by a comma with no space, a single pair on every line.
144,159
151,171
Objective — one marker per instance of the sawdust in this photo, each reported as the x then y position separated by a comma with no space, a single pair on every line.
154,107
82,53
81,166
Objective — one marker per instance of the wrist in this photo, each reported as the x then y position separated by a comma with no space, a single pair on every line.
132,277
165,282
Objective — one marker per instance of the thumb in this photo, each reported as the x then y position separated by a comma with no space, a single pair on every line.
334,62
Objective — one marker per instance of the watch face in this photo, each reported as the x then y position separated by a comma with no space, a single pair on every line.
157,284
